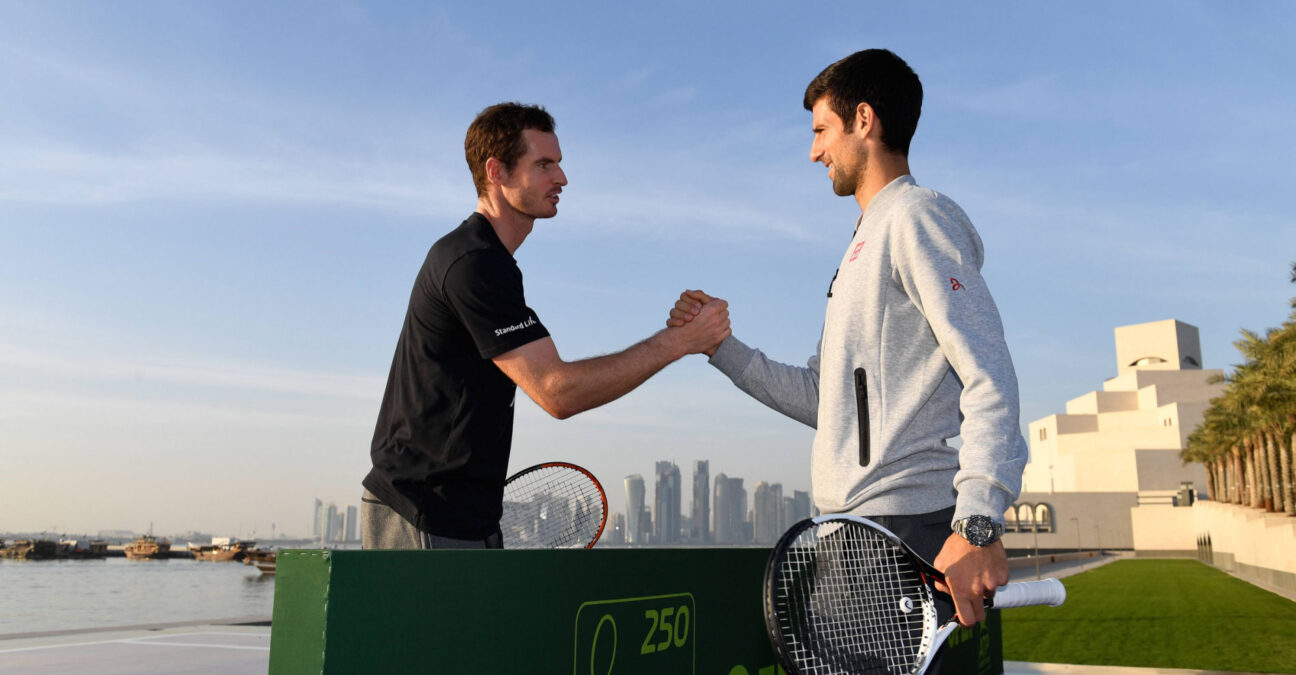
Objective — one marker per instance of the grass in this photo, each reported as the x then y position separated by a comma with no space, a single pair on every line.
1158,613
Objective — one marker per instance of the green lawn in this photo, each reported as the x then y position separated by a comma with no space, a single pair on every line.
1158,613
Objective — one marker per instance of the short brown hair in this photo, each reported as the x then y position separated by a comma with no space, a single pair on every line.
497,132
879,78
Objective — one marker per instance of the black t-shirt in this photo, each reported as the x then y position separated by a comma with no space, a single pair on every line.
441,446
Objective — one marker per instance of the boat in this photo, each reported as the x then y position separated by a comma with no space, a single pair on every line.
257,555
31,549
148,547
222,549
266,563
72,548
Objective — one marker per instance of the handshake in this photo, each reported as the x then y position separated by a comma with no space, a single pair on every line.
698,323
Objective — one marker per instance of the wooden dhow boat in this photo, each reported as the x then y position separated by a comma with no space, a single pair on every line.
148,547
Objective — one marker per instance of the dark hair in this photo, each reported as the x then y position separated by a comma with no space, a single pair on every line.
497,132
879,78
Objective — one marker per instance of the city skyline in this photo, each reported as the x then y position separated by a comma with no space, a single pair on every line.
732,523
211,217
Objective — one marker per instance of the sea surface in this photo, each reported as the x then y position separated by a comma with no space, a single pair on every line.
51,595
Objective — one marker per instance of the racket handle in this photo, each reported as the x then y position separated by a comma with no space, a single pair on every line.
1049,592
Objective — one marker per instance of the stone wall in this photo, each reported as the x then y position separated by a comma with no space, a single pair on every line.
1249,542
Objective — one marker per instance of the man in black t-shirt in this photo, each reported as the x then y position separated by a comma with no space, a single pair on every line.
441,446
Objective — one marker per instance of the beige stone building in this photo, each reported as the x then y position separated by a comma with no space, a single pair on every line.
1107,473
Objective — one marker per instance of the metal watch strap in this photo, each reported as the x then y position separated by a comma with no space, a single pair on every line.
980,531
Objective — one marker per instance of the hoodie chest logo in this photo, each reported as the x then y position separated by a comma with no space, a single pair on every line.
856,251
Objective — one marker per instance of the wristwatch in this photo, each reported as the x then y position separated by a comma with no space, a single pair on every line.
980,531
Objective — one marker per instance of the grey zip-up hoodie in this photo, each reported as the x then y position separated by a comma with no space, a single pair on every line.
912,354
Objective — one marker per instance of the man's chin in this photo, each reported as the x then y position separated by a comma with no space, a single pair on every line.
543,211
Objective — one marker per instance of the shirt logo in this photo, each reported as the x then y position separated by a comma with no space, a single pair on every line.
530,321
855,252
955,284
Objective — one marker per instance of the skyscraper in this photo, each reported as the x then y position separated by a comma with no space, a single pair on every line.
634,487
700,510
730,512
352,523
645,526
616,529
767,516
330,527
666,524
317,526
800,506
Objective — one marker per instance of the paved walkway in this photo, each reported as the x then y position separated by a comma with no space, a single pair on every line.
197,650
1064,569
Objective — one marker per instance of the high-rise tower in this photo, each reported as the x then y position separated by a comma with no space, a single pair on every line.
666,523
700,510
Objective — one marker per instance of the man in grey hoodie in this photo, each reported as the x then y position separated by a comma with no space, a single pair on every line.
912,351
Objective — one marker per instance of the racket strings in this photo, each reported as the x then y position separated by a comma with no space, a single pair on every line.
551,507
840,599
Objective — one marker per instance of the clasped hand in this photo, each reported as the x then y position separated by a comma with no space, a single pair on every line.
697,310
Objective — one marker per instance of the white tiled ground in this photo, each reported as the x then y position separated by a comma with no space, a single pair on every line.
223,650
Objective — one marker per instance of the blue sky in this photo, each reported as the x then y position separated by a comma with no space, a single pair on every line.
211,215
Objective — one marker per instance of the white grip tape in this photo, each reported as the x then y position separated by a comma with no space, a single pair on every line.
1049,592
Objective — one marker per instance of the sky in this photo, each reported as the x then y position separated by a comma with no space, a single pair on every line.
211,215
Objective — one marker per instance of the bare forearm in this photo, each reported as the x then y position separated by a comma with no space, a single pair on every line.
564,389
581,385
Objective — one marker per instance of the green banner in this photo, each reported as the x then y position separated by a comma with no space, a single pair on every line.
599,612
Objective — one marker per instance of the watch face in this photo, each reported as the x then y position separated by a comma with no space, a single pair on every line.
979,530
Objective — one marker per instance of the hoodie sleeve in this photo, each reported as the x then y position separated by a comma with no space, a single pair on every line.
791,390
937,259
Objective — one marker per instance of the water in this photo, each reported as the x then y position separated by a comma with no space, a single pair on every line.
51,595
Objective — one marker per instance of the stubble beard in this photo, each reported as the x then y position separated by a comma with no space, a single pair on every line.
846,183
534,208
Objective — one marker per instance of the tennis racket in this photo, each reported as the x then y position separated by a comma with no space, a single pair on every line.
845,595
553,505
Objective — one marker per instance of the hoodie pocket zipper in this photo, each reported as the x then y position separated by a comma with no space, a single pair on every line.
861,403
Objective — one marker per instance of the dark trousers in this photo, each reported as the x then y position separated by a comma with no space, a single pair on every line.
383,528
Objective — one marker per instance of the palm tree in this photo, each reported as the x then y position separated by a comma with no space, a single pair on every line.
1247,438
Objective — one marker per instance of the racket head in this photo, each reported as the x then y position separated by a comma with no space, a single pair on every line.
844,595
553,505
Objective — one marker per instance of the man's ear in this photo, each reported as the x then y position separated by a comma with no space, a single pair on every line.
864,118
495,171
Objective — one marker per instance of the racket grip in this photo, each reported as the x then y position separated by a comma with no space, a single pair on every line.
1049,592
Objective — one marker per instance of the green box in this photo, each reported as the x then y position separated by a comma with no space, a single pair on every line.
619,611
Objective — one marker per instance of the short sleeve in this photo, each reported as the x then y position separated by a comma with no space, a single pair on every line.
485,289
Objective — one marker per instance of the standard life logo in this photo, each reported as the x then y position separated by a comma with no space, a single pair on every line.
530,321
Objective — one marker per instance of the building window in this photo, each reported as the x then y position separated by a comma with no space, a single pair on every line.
1025,518
1044,518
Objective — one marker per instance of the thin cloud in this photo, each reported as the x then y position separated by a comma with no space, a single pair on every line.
114,410
203,373
68,176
